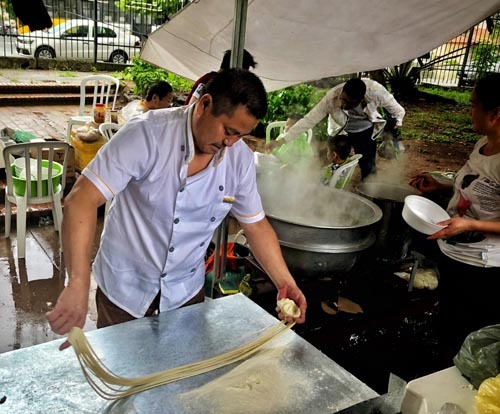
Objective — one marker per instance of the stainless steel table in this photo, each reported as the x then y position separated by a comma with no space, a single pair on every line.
42,379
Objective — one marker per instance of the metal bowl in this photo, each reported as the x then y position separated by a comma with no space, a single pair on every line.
315,245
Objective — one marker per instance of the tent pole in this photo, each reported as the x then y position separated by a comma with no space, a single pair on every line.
240,19
239,29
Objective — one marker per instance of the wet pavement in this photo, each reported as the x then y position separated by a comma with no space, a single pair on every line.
29,287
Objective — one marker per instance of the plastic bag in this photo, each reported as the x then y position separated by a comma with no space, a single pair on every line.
294,151
23,136
488,396
479,356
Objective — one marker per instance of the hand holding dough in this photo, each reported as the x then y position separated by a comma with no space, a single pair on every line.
289,308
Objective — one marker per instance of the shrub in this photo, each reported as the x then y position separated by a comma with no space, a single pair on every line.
143,74
295,99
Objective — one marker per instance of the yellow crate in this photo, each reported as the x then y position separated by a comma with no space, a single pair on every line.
85,151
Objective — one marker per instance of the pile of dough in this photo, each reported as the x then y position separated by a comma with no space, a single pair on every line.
289,308
111,386
424,278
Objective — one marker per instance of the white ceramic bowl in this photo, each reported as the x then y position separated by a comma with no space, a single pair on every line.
422,214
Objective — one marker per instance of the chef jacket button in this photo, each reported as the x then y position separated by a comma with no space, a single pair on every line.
171,249
202,244
221,187
212,219
176,221
192,270
181,190
183,147
163,275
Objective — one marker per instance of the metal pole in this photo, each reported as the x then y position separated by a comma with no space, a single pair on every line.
95,32
239,29
238,45
466,57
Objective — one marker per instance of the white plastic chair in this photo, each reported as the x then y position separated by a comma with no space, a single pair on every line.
343,175
108,129
281,128
36,191
105,91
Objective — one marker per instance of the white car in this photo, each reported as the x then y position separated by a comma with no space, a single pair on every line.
75,39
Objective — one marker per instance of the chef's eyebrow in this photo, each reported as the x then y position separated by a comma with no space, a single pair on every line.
233,132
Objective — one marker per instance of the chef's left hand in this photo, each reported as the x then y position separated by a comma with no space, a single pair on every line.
295,294
453,227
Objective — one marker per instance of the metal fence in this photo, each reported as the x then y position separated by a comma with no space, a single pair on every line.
114,30
98,30
460,61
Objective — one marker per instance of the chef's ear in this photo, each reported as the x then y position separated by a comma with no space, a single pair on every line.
205,101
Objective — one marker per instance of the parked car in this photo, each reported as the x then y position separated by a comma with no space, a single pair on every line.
75,39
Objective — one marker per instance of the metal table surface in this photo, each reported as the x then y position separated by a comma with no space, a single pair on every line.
42,379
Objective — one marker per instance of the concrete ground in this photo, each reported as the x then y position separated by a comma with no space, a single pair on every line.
29,287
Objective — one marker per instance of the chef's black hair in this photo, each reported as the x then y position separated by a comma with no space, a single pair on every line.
233,87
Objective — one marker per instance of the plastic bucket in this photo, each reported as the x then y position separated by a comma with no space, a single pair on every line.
20,183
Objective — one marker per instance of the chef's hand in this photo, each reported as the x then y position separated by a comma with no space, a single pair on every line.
274,144
425,183
295,294
454,226
70,310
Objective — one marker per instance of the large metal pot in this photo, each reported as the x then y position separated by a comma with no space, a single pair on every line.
394,236
321,244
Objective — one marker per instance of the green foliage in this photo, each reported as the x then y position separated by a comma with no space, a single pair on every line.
485,56
143,74
402,79
7,8
298,99
154,8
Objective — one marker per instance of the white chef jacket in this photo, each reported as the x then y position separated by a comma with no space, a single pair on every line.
161,221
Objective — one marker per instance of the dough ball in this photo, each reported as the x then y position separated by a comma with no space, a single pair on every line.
289,308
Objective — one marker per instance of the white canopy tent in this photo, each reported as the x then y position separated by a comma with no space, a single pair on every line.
295,41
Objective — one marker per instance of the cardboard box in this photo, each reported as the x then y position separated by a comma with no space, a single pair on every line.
59,157
85,151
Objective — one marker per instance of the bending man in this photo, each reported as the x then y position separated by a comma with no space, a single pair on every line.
174,175
352,108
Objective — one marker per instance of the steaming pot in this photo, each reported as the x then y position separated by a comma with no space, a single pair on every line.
394,236
318,246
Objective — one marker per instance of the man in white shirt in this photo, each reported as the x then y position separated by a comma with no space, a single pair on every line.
352,108
174,175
